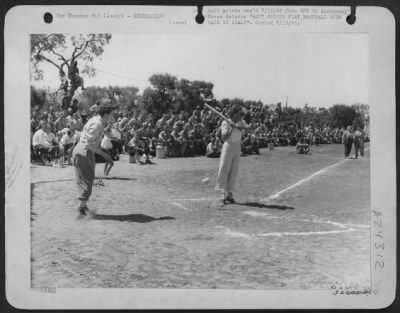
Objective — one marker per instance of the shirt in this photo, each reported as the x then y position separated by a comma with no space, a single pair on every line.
40,138
347,135
106,143
51,139
92,132
115,134
358,134
65,140
136,143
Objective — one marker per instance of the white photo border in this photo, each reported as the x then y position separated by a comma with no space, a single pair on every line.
377,22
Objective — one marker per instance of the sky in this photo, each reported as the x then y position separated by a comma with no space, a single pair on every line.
313,68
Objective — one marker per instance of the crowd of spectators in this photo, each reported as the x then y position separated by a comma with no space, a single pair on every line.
183,134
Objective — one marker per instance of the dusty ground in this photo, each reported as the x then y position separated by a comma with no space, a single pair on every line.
158,226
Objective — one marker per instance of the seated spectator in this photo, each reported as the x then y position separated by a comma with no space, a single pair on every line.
197,135
165,139
152,146
137,148
250,145
303,147
177,144
187,147
196,115
213,149
162,121
44,143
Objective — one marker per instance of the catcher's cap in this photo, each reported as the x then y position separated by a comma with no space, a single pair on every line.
105,108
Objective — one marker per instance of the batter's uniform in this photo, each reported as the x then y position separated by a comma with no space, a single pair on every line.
230,157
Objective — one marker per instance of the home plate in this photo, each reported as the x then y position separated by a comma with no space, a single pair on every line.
274,196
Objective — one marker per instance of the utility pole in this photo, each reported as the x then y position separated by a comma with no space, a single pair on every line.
286,114
286,103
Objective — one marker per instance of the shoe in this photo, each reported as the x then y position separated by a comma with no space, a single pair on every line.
83,211
91,214
99,182
149,162
231,200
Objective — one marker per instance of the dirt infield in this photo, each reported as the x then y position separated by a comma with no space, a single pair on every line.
300,222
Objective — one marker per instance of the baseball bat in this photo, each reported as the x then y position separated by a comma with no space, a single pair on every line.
216,112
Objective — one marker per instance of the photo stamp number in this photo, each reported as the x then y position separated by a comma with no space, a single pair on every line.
378,239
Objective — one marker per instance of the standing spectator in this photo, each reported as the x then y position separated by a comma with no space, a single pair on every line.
84,117
107,146
66,146
116,139
359,142
74,106
347,140
76,123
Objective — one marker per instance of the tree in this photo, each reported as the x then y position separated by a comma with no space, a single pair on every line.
358,122
63,52
168,93
341,115
295,115
159,97
38,98
189,94
126,97
152,102
91,96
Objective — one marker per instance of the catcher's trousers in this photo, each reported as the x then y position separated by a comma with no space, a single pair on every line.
84,164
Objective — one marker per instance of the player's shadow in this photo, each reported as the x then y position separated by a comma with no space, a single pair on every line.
115,178
136,218
51,181
266,206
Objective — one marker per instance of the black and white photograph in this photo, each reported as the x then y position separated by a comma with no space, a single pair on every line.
226,160
161,162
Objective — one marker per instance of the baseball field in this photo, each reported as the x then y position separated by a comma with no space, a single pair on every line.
300,222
